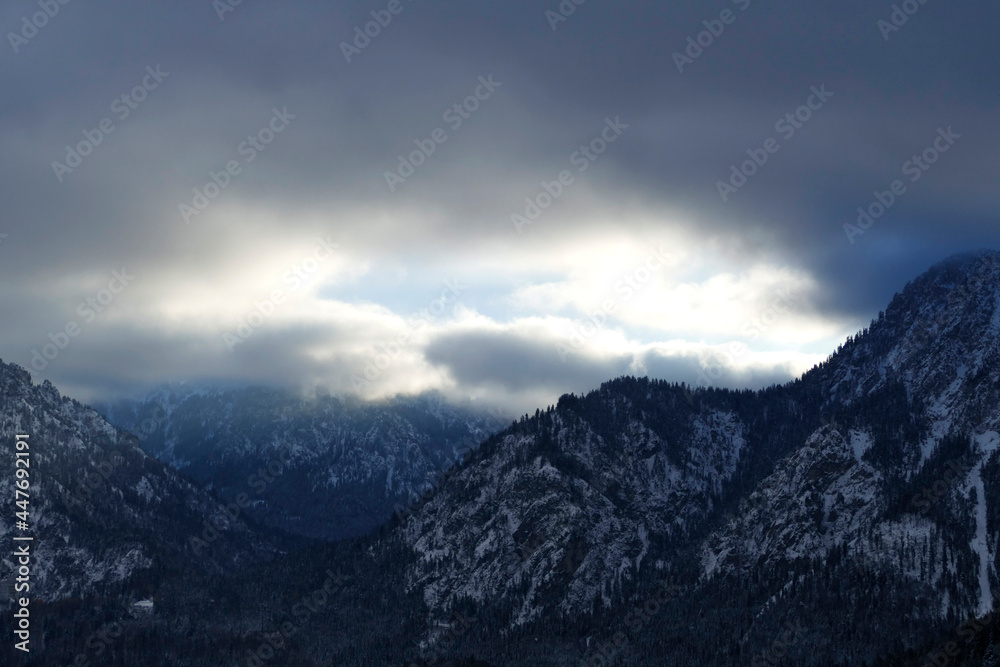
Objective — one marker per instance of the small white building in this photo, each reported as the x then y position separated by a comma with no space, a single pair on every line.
142,607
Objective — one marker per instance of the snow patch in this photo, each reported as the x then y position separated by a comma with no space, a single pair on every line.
980,544
988,442
861,442
144,489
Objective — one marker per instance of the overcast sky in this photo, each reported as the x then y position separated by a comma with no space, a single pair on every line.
389,240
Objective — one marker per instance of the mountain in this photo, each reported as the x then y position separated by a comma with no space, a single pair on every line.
324,467
102,512
850,517
867,490
902,484
915,401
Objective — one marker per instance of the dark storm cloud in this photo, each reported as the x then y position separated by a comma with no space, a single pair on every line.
518,363
120,207
115,365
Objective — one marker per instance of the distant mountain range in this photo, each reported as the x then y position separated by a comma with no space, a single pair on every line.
323,467
102,511
850,517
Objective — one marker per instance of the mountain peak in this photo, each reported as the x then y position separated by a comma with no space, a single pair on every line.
977,269
968,258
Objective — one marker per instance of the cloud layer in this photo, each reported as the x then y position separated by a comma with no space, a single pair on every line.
515,205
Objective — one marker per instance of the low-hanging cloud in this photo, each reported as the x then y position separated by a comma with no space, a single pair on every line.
324,175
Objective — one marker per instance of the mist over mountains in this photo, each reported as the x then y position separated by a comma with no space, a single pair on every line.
847,517
386,333
354,461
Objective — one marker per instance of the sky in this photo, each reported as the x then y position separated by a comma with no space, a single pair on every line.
503,202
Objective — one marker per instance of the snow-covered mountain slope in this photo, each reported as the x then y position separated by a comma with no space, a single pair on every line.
851,514
322,467
821,496
906,481
940,338
555,516
100,509
882,461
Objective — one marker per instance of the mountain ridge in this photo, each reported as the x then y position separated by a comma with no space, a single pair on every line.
859,503
355,461
870,419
